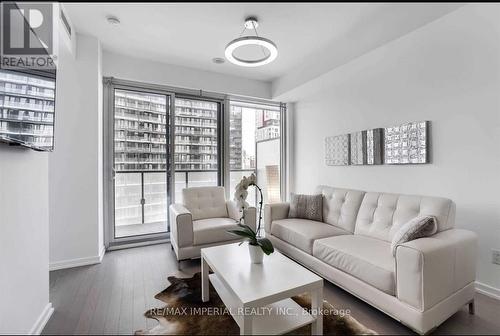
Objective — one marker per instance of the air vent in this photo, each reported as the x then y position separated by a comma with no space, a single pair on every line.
66,23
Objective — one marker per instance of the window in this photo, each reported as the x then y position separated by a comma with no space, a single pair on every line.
27,109
142,123
196,156
255,147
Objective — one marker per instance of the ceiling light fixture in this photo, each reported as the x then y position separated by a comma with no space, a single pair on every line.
263,43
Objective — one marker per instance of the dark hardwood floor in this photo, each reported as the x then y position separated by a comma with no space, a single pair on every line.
110,298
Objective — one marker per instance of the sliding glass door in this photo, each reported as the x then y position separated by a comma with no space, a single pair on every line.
141,169
158,142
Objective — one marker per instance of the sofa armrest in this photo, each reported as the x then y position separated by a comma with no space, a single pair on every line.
274,211
249,216
181,225
430,269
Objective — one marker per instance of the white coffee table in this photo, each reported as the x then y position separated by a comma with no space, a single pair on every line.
246,287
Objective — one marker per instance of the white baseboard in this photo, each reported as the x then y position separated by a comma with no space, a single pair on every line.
42,320
488,290
78,261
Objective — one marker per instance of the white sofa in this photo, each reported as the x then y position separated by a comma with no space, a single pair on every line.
427,281
203,220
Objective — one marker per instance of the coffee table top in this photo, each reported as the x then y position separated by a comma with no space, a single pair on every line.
276,276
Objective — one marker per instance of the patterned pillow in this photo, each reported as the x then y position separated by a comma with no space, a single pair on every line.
418,227
306,207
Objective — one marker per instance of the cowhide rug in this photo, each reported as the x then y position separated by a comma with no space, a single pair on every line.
181,315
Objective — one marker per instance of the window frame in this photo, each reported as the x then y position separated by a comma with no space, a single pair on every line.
223,126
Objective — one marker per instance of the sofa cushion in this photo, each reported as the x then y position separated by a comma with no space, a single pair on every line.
379,212
340,206
213,230
205,202
418,227
306,207
301,233
368,259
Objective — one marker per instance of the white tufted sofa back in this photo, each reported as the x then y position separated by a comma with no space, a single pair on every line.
381,214
340,206
205,202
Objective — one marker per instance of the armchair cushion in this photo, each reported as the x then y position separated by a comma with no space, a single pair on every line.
205,202
213,230
249,217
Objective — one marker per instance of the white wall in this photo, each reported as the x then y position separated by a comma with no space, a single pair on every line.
75,174
448,72
24,240
130,68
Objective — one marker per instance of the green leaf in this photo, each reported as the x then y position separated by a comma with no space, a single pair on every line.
247,228
244,234
240,233
266,245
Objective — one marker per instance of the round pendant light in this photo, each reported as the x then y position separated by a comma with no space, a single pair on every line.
261,42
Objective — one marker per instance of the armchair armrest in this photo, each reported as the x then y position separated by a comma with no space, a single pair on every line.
274,211
249,216
430,269
181,225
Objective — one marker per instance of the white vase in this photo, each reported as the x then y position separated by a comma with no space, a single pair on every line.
256,254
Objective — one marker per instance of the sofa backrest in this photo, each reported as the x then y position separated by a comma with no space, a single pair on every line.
381,214
340,206
205,202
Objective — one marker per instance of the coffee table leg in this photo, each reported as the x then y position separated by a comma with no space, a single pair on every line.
246,326
316,306
204,281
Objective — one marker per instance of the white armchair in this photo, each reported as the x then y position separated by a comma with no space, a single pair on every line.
203,221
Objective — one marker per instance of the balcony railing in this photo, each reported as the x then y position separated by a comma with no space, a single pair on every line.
141,197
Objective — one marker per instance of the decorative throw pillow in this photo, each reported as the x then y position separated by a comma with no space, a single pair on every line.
418,227
306,207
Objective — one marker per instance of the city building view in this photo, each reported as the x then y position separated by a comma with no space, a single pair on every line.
27,109
141,160
140,154
267,124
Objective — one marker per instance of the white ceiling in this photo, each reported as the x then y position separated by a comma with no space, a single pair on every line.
191,34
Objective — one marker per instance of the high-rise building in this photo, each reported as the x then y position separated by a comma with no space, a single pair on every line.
267,123
196,135
140,131
235,140
27,109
